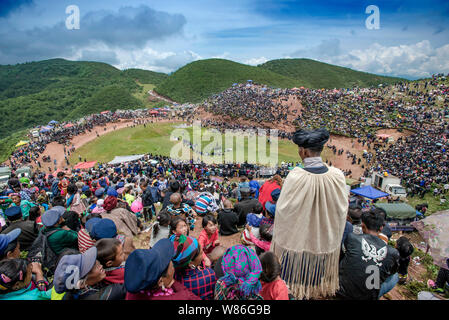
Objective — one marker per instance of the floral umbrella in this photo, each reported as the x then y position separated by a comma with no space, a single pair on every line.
435,231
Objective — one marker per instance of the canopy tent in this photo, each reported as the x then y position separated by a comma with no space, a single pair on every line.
383,136
104,112
154,112
399,210
68,125
21,143
121,159
369,192
46,129
85,165
433,229
53,122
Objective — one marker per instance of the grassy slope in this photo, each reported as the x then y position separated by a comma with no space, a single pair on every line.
145,76
323,75
200,79
34,93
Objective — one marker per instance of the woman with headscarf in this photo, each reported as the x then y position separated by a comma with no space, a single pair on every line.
73,199
187,261
242,269
310,220
125,221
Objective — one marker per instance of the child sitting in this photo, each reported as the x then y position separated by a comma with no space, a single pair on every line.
405,249
253,220
112,257
273,287
227,219
266,234
177,208
208,238
161,228
178,226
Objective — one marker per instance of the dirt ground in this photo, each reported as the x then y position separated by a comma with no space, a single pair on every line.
56,150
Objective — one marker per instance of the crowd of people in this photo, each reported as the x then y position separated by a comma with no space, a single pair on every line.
73,236
63,133
420,107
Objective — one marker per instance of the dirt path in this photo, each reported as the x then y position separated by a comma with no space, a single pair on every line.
158,96
56,150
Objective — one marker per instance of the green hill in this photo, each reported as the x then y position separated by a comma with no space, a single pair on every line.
146,76
323,75
198,80
34,93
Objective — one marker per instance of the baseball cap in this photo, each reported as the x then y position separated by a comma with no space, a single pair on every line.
6,239
76,266
144,267
105,228
13,211
51,217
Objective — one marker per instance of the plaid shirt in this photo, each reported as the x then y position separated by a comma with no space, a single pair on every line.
200,282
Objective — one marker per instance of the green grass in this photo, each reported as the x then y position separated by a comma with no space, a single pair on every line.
323,75
155,138
433,202
198,80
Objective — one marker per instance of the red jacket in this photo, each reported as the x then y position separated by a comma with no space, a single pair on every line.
180,293
265,192
115,276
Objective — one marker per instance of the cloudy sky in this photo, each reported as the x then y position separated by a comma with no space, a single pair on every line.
412,40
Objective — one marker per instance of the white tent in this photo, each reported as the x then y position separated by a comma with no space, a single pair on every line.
121,159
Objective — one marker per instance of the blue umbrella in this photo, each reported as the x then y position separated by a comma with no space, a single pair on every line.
53,122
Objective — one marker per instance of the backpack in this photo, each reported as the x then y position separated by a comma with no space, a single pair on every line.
41,251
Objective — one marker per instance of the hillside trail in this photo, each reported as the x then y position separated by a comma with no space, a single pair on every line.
158,96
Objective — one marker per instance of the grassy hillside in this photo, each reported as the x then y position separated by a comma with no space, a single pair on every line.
323,75
145,76
198,80
34,93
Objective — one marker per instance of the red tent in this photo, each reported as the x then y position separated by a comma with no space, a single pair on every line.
85,165
104,112
383,136
68,125
153,112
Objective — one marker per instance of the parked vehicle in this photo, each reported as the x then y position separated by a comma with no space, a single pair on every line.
389,184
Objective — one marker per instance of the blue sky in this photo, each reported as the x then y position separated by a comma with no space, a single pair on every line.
163,35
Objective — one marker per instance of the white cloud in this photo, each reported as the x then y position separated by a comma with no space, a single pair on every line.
255,61
413,61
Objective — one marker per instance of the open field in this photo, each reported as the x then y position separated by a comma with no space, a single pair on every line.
155,138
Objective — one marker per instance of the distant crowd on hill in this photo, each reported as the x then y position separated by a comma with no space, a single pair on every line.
63,134
421,159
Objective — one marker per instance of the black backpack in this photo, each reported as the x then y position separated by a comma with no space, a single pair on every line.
42,252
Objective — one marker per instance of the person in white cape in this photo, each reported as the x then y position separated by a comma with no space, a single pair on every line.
309,221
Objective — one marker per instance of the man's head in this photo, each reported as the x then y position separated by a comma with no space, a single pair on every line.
174,186
227,204
175,199
60,175
354,215
310,142
372,222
